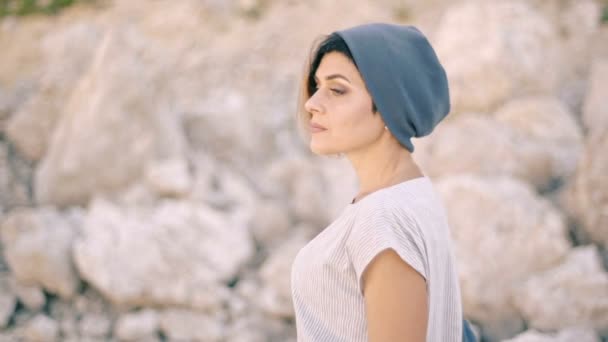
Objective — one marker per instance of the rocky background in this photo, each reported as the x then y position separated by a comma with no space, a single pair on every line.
153,186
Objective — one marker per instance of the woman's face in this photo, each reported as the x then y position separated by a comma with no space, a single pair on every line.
341,116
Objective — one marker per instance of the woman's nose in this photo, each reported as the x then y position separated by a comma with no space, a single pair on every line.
313,105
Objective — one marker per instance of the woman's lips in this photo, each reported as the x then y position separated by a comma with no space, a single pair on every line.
316,128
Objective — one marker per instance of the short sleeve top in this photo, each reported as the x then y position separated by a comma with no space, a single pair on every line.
327,272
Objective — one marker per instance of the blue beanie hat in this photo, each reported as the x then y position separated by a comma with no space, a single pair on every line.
403,75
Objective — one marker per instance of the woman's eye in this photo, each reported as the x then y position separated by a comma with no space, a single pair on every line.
337,91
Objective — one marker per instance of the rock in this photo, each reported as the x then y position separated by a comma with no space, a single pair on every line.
565,335
255,327
172,254
14,178
90,301
101,146
31,296
488,215
12,96
595,111
270,222
535,139
275,296
137,326
186,325
236,190
339,184
585,196
577,291
169,177
67,52
549,123
216,124
577,23
299,181
95,325
27,235
138,194
41,329
477,144
8,301
493,51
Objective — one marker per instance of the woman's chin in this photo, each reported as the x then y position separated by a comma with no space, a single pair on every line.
323,150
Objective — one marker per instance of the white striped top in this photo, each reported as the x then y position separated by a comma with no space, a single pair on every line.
326,273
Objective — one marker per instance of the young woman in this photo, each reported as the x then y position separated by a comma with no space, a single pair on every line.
384,269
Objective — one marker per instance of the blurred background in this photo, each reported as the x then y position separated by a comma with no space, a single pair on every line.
153,186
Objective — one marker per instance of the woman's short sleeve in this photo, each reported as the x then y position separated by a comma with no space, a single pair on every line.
379,230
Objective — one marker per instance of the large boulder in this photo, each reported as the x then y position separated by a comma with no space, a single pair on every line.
546,121
67,53
38,248
564,335
503,233
8,300
190,325
585,196
479,144
114,122
493,50
577,291
275,273
172,254
595,110
15,178
298,181
137,326
41,328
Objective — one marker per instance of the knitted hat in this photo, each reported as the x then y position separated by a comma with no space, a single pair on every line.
403,75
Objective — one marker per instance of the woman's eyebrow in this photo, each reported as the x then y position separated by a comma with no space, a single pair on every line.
333,76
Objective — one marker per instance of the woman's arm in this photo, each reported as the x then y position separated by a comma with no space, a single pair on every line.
395,300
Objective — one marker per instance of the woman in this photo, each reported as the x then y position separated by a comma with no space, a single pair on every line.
384,269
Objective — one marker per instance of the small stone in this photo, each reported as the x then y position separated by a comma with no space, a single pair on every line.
169,177
137,326
95,325
8,301
182,325
41,329
31,296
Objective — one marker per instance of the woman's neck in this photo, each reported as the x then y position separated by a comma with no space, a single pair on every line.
380,166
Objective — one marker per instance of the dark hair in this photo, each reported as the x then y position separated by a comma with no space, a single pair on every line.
333,43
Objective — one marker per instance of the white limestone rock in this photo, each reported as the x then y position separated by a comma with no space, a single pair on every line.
574,293
177,253
67,52
31,296
275,274
114,122
8,300
38,248
137,326
41,329
565,335
478,144
187,325
585,196
503,233
495,50
595,111
169,177
270,222
95,325
300,182
546,121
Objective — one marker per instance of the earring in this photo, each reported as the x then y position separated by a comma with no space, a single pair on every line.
386,128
